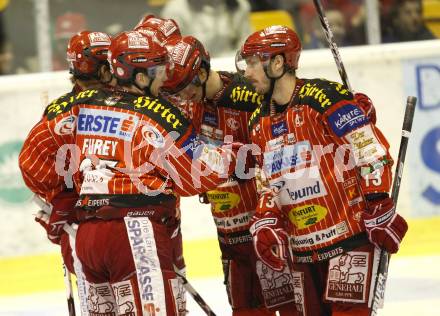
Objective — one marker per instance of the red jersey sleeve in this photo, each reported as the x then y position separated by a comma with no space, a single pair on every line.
352,129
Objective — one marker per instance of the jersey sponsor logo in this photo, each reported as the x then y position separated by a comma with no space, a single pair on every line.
287,157
153,136
231,222
366,147
348,277
106,123
243,93
100,298
279,128
125,298
307,215
66,126
222,201
321,236
277,287
351,190
313,91
209,118
149,275
167,115
191,145
299,186
87,202
276,143
212,158
211,135
346,119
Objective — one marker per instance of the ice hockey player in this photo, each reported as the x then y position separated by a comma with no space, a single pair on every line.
87,58
220,105
125,154
162,30
327,173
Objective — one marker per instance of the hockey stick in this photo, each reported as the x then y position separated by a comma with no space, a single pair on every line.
195,295
382,272
67,277
384,259
333,47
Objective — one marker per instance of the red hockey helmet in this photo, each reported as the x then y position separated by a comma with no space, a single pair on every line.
188,56
269,42
132,50
160,29
86,51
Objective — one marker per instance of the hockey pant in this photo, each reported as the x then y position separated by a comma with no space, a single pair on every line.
242,282
135,256
338,287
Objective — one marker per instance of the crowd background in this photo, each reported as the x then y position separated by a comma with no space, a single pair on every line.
220,24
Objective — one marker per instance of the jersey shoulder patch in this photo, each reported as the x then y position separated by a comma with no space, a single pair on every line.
322,94
240,95
69,100
166,114
59,105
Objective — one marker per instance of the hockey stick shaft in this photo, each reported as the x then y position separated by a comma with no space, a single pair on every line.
195,295
382,271
331,42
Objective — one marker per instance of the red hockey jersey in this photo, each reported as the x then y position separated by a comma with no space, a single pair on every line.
319,156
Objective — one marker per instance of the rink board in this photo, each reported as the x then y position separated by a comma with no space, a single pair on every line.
41,273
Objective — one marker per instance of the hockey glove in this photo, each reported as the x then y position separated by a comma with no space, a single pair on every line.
269,237
365,103
62,213
384,226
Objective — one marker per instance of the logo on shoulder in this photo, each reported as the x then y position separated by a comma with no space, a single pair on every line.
59,106
66,126
163,112
313,91
152,135
346,119
242,93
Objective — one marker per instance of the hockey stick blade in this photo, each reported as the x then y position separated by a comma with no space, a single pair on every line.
382,271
